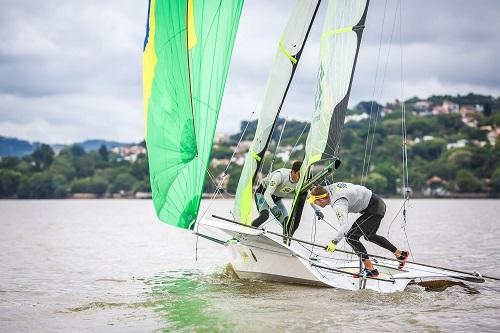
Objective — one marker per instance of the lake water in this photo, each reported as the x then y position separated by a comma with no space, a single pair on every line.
110,266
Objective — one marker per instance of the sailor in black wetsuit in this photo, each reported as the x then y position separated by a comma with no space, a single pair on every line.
347,198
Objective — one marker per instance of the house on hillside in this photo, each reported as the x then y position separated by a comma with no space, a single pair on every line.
450,107
459,144
422,106
435,187
130,153
467,111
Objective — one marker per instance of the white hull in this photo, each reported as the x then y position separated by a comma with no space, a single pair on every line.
255,255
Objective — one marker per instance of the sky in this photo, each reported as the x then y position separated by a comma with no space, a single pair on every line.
71,70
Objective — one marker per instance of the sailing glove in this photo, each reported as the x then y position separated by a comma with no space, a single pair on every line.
276,212
331,247
319,214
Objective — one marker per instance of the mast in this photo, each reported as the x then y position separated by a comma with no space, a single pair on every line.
340,42
287,57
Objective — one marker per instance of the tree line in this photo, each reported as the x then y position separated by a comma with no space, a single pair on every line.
43,174
474,168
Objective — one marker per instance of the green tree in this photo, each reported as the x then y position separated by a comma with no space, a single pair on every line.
140,168
376,182
104,153
142,186
95,185
234,176
62,165
429,150
43,157
76,150
60,186
495,182
467,182
9,181
84,166
36,186
123,182
9,162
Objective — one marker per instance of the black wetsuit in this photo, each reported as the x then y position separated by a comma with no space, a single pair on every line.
367,225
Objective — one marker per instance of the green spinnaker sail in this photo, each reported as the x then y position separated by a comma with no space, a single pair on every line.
339,47
187,51
287,57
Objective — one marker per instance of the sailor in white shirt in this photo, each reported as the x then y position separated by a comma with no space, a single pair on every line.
347,198
279,184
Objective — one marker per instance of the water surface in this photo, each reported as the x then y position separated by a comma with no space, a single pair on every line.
110,266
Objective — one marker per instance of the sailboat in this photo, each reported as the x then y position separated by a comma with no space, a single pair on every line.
187,52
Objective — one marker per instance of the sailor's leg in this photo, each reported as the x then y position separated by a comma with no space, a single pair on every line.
373,224
263,209
353,235
283,217
263,216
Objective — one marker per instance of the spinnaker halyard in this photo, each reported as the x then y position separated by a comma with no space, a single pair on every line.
187,51
287,58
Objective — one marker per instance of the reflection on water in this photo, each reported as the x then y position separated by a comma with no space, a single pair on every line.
182,300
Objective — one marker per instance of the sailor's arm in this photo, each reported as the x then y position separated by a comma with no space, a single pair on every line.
340,208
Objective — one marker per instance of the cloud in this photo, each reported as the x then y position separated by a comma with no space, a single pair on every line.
72,70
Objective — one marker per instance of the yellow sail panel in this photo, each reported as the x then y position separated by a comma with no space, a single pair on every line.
192,40
149,62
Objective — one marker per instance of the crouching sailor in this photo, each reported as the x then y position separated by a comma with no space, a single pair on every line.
279,184
347,198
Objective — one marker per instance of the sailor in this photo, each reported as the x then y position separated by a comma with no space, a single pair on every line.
279,184
347,198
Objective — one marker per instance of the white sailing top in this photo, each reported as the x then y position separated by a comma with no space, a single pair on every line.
279,184
346,198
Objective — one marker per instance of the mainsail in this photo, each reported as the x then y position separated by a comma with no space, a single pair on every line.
287,57
339,47
187,51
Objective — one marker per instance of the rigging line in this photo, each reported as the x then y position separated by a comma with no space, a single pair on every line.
212,178
395,217
189,74
258,173
381,91
331,226
297,142
373,93
229,163
405,139
277,146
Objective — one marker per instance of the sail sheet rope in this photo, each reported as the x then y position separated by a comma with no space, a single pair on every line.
369,142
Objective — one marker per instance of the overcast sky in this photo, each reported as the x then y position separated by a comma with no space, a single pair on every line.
71,70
